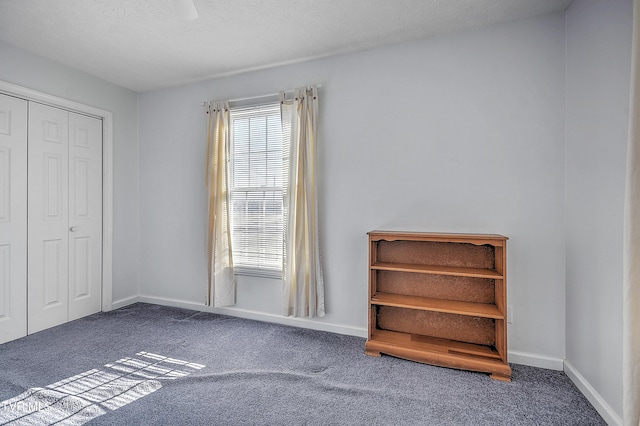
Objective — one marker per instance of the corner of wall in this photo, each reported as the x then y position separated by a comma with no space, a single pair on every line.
138,218
598,402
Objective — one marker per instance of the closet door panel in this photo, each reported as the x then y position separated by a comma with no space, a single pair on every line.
85,215
13,218
48,217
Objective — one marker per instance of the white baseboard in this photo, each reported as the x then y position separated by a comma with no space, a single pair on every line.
592,395
176,303
296,322
536,360
533,360
117,304
524,358
258,316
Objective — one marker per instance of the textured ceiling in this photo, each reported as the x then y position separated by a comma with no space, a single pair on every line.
144,45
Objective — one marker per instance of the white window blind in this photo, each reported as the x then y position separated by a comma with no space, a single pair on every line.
257,167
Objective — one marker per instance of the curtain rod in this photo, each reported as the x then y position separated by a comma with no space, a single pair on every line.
249,98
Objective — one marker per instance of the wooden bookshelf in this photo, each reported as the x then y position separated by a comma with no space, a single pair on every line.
439,299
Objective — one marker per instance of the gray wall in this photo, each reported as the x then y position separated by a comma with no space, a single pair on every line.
460,133
598,76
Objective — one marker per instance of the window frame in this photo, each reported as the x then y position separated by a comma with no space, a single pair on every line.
263,109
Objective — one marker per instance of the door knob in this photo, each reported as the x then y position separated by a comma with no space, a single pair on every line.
73,229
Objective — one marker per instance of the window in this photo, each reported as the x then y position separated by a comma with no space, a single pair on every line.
257,221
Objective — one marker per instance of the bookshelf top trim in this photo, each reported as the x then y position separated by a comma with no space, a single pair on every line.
492,239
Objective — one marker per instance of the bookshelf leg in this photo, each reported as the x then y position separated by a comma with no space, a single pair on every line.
372,353
500,377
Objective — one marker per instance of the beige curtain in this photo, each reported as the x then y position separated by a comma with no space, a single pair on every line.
303,290
222,287
631,261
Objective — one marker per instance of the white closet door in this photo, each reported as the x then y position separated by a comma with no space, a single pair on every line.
85,215
48,217
13,218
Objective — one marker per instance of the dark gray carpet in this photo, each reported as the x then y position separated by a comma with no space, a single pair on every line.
260,374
